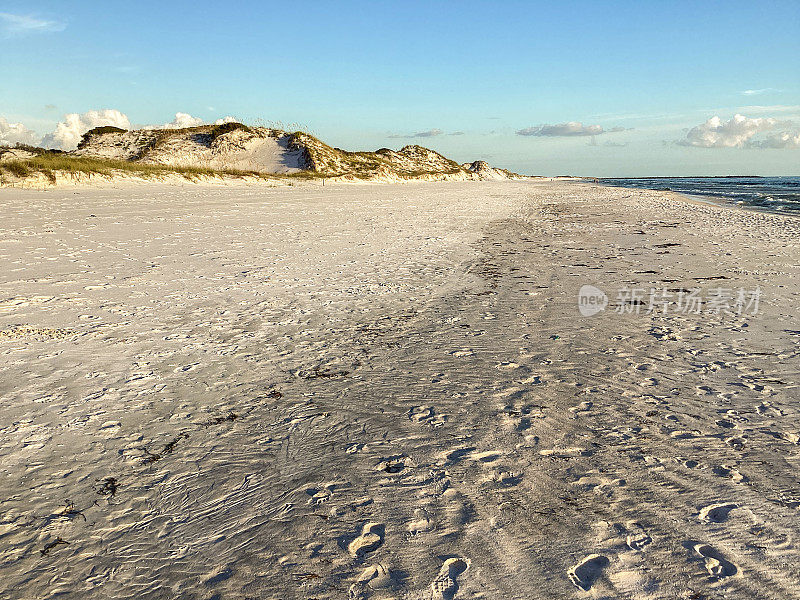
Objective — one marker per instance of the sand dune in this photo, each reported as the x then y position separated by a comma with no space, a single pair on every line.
269,150
389,392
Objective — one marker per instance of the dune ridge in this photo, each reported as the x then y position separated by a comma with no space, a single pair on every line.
233,150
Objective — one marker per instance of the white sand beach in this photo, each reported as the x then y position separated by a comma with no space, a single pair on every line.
388,391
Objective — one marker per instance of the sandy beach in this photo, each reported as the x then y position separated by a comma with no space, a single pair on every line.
389,391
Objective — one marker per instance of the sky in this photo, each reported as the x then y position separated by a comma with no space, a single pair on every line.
598,88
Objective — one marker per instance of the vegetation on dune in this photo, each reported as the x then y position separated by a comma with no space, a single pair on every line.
105,129
219,130
48,164
98,131
27,148
322,158
17,168
51,163
142,152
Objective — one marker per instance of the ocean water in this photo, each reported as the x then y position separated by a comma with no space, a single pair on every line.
779,194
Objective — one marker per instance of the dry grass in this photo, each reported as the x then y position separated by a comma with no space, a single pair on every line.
320,160
219,130
98,131
51,164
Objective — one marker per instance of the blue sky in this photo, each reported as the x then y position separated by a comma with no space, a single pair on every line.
532,86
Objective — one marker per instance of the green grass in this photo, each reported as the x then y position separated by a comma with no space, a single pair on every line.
50,164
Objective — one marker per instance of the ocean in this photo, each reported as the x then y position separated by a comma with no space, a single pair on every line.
777,194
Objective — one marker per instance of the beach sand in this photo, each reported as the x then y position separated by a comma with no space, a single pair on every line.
388,391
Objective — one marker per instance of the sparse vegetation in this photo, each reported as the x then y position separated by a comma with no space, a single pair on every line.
49,164
105,129
32,149
143,151
219,130
99,131
308,175
17,168
407,163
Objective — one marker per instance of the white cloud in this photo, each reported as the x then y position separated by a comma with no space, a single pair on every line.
734,133
739,132
569,129
15,133
783,139
183,120
420,134
429,133
757,92
69,131
19,25
786,108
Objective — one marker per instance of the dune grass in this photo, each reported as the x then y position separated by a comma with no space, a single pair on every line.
321,160
49,164
98,131
224,128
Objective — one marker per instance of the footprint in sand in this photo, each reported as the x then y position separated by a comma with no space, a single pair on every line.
425,415
603,486
717,513
370,539
420,414
737,443
353,448
767,408
638,539
394,464
730,472
508,366
519,418
584,406
374,577
589,570
446,583
458,455
716,565
486,457
565,452
501,477
438,421
791,437
323,494
458,512
422,522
